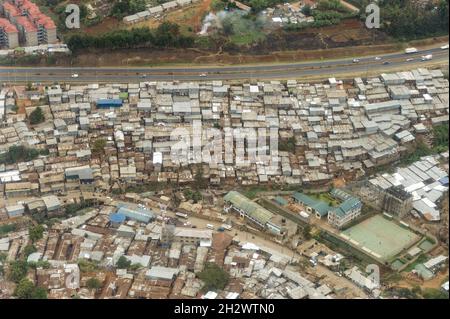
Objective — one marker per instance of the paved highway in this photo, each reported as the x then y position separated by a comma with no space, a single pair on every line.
327,68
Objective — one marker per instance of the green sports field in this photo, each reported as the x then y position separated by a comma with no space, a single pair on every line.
381,237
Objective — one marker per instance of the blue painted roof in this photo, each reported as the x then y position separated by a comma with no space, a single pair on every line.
320,207
444,181
142,215
117,218
109,102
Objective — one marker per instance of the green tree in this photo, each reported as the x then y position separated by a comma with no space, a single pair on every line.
214,277
28,250
440,133
39,293
306,10
123,263
306,232
2,260
431,293
18,270
99,146
37,116
93,283
20,153
197,196
36,232
200,181
24,289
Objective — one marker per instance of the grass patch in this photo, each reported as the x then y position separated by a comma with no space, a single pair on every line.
247,38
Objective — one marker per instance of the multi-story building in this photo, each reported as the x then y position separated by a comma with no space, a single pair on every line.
345,212
34,27
348,209
252,211
9,35
46,29
28,32
397,201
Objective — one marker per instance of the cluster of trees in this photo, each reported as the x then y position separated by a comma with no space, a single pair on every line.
214,277
167,35
16,154
418,293
25,289
260,5
122,8
407,19
2,260
124,263
18,269
196,196
404,19
440,134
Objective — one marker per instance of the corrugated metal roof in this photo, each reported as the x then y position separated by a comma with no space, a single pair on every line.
251,208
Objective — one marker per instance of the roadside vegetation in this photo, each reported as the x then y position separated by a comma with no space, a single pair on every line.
405,19
167,35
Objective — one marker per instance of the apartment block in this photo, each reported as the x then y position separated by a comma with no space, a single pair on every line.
9,35
33,26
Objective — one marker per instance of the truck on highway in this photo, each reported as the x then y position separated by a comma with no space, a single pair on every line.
411,50
427,57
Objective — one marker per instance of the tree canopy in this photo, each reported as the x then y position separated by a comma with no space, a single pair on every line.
214,277
166,35
123,263
36,232
25,289
20,153
18,270
37,116
98,146
93,283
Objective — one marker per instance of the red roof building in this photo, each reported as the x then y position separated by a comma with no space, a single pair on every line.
9,35
34,26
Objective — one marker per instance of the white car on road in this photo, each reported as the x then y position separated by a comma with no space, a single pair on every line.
74,75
